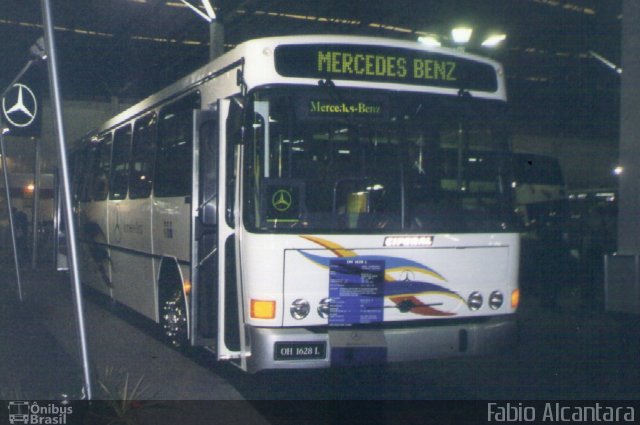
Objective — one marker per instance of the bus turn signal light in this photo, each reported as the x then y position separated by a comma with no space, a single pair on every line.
261,309
515,298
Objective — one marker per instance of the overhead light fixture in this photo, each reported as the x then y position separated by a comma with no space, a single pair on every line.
605,62
209,9
461,35
209,16
430,40
494,39
37,50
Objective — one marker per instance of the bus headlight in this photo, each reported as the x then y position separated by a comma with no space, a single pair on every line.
300,309
323,308
495,300
474,301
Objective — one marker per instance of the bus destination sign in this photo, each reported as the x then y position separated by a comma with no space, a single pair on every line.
384,64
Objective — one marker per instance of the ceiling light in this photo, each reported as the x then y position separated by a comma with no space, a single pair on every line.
461,35
494,40
430,40
209,9
203,15
37,50
605,61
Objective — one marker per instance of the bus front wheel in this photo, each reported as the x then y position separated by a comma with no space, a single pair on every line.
174,320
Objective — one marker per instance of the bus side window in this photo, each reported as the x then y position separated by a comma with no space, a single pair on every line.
209,171
119,178
142,157
78,168
175,140
235,135
85,182
101,177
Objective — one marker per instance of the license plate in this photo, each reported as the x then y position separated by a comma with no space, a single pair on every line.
300,350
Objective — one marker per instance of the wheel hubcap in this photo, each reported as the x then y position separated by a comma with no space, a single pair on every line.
175,320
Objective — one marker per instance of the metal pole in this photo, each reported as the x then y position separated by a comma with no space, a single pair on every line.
216,39
36,205
9,206
66,192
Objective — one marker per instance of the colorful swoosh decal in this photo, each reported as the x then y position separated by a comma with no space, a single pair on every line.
391,263
403,293
414,305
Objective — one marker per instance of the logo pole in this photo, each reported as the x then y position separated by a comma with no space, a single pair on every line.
7,186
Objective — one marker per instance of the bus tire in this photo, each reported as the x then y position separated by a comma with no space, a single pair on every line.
174,320
173,311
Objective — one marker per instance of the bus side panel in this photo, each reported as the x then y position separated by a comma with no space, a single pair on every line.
171,233
132,269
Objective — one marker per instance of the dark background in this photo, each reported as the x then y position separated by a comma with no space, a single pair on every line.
131,48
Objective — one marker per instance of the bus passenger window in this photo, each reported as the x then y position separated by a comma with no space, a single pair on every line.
175,141
101,176
120,162
77,169
142,157
235,135
85,181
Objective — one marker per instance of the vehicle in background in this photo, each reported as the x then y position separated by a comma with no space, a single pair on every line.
593,218
592,229
539,187
541,202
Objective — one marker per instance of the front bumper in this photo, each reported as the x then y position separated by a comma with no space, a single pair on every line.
287,348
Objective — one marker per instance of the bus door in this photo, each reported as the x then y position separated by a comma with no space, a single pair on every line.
204,228
215,303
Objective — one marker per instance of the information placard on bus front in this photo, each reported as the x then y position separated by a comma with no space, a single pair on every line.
356,289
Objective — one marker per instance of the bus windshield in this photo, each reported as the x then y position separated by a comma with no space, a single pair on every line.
328,159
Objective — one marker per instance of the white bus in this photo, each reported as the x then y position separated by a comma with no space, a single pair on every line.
291,205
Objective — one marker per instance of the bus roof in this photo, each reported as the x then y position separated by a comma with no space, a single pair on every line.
349,61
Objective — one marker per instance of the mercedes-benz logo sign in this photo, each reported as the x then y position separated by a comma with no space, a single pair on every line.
20,106
281,200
